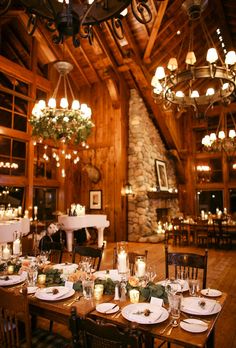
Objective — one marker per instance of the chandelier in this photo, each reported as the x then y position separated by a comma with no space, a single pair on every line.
222,139
182,84
68,18
61,124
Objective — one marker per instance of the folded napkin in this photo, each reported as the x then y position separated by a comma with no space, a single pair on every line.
198,305
138,316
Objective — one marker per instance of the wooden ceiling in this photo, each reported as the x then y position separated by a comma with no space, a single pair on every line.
133,59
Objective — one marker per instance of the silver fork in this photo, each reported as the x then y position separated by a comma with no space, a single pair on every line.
166,327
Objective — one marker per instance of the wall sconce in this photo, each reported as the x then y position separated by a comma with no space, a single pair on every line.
128,189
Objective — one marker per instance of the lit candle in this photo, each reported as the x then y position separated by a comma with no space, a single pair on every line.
16,247
41,279
6,252
35,210
122,262
26,214
134,296
98,291
141,268
10,269
19,211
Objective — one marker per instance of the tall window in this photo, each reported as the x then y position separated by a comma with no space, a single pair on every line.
12,156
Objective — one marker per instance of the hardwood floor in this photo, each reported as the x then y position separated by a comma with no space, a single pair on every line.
221,275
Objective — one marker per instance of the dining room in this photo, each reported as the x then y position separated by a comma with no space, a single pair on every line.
117,130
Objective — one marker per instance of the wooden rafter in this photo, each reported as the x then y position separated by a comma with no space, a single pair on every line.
155,29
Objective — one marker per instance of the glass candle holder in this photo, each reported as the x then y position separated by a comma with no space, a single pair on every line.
122,257
134,296
41,279
6,252
140,266
10,269
98,291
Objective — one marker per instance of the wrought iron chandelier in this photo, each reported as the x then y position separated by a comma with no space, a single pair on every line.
62,124
71,18
222,139
179,85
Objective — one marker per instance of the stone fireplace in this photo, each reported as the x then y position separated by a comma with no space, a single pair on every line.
145,146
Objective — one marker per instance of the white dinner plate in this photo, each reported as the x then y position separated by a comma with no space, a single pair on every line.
11,280
107,308
211,292
191,305
193,325
30,290
135,312
47,293
112,274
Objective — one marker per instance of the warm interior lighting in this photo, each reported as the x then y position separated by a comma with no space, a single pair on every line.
68,18
9,165
60,123
178,84
222,139
203,173
128,189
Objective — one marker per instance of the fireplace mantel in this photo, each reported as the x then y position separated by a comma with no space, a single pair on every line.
162,195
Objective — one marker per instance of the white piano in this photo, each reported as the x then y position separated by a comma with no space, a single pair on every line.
7,229
72,223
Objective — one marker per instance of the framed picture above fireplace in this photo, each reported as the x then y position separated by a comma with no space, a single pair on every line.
162,181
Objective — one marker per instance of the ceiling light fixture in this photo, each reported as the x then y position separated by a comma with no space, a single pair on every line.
69,19
203,173
180,85
68,125
222,139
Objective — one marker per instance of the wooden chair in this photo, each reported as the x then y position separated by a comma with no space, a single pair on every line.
189,263
132,256
83,252
88,333
222,236
15,324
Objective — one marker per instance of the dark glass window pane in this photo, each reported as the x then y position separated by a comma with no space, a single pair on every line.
6,100
21,106
5,146
45,200
19,149
209,201
232,200
12,195
22,87
5,118
20,123
20,171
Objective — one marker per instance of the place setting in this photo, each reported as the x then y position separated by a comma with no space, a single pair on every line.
200,306
8,280
54,293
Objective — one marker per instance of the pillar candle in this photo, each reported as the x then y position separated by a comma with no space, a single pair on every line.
6,253
35,210
141,268
122,262
16,247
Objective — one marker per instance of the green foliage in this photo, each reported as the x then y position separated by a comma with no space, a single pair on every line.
53,277
70,126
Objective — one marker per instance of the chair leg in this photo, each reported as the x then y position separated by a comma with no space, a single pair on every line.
51,326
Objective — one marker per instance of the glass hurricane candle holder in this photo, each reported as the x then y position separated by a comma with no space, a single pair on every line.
122,257
140,266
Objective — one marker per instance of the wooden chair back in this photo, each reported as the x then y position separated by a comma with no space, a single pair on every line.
14,318
84,252
132,256
189,263
97,334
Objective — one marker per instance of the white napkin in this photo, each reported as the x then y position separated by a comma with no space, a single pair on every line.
193,304
48,292
142,319
156,301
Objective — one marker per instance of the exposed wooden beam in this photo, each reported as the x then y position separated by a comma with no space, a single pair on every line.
155,29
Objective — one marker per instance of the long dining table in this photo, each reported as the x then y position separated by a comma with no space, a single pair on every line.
60,310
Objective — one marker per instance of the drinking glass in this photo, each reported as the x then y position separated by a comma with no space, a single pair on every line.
88,288
193,287
32,276
174,305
